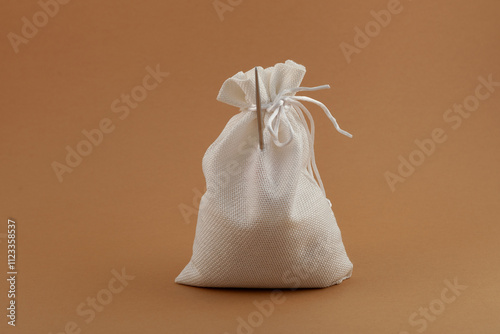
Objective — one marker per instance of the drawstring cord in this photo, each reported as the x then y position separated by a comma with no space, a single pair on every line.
281,105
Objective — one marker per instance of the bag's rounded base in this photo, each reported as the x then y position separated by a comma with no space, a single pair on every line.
189,277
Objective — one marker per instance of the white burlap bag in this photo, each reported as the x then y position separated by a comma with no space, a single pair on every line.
264,221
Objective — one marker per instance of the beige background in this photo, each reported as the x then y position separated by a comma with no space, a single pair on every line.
120,207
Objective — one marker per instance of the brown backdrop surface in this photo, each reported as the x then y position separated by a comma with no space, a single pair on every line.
120,207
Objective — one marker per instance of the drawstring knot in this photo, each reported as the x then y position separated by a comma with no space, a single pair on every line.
284,102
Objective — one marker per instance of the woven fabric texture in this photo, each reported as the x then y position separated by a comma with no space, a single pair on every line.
263,221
